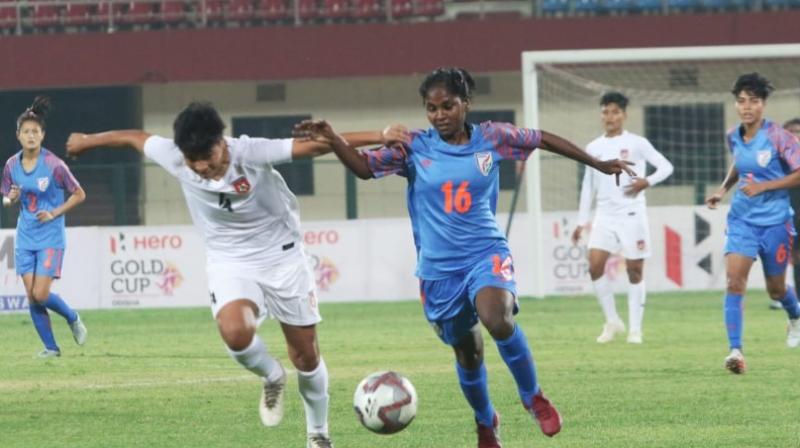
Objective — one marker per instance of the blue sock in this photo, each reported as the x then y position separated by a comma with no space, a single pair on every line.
790,304
517,355
57,304
41,321
474,385
733,319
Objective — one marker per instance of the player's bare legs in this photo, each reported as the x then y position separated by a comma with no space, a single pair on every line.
605,295
737,268
637,296
312,380
495,307
237,322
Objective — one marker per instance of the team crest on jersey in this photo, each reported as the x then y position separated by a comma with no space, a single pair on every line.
763,157
43,182
241,185
624,154
484,160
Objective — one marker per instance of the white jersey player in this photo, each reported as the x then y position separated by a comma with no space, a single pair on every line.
256,264
620,222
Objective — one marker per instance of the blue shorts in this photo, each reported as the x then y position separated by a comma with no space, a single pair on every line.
44,262
449,303
773,244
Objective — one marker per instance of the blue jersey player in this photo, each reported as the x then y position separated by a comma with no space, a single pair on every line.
766,161
465,268
37,180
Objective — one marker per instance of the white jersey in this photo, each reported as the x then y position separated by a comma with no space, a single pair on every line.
249,216
611,199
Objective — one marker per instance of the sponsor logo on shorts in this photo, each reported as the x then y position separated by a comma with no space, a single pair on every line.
484,161
763,157
43,182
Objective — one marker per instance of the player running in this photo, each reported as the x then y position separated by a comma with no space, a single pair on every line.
766,161
464,264
36,179
620,223
256,263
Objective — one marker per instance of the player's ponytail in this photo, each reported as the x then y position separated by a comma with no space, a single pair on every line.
455,80
39,109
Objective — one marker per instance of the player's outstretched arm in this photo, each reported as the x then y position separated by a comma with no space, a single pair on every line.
79,143
564,147
320,131
730,180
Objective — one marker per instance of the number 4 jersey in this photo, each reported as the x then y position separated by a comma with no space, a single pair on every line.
452,191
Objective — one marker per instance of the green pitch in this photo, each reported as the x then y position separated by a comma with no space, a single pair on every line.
161,378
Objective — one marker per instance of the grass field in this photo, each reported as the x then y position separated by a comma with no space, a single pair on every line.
161,378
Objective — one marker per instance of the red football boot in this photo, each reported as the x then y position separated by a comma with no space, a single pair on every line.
545,414
489,436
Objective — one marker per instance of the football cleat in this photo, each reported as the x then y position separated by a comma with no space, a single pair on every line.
319,440
79,332
793,333
735,362
270,407
489,436
634,337
610,330
47,353
545,414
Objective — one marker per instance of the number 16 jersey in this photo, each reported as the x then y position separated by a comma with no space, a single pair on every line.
452,191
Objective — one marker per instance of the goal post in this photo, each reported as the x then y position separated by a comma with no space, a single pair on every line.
680,100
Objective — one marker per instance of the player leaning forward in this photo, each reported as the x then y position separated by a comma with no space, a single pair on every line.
255,261
620,222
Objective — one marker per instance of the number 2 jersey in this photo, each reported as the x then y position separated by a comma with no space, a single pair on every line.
772,154
248,215
41,189
452,192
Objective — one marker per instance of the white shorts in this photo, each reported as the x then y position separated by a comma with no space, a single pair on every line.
284,290
627,234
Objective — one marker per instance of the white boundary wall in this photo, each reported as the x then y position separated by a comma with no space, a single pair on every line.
369,259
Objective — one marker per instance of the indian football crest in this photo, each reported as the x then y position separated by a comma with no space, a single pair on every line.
43,182
763,157
484,160
624,154
241,185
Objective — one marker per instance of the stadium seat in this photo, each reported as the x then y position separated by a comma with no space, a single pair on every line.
103,10
647,5
429,8
274,10
555,6
682,5
138,13
366,9
776,4
335,9
173,11
308,9
240,10
78,14
617,6
8,16
402,8
45,16
214,9
588,6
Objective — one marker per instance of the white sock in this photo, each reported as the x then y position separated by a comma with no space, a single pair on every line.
313,388
605,296
256,359
636,299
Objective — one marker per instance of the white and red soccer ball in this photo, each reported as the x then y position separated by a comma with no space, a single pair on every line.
385,402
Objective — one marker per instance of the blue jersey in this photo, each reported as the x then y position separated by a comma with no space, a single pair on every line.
452,192
40,189
772,154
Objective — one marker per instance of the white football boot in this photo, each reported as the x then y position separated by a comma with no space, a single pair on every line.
319,440
793,333
610,330
270,408
735,361
79,332
634,337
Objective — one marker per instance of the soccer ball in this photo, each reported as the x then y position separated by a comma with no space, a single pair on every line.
385,402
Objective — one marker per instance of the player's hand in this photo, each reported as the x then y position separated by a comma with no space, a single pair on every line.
45,216
751,188
76,144
576,235
315,130
713,201
636,186
616,167
13,194
395,134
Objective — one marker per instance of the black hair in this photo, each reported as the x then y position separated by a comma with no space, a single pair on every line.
792,122
456,80
197,129
614,98
40,107
753,83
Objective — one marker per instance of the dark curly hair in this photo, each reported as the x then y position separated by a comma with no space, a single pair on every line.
40,107
197,129
753,83
456,80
